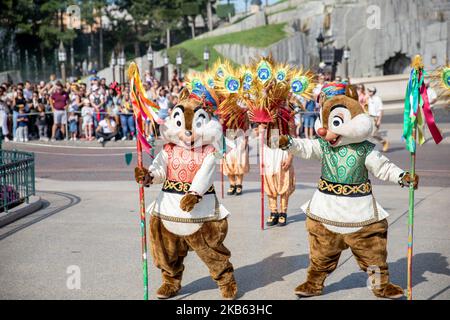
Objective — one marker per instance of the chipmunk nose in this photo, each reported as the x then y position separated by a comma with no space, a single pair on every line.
188,133
322,132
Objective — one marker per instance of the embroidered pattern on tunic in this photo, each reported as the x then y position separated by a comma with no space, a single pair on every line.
345,164
183,164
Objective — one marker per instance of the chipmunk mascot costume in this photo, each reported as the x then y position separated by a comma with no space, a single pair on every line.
187,215
343,212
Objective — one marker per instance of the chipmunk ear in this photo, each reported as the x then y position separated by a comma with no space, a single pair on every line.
184,94
350,91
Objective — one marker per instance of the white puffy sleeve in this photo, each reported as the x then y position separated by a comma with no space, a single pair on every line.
382,168
306,148
204,177
158,168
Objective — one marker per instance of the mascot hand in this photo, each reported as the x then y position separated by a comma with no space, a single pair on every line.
408,178
143,176
188,202
284,142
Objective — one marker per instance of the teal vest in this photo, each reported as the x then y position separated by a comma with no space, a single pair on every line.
345,164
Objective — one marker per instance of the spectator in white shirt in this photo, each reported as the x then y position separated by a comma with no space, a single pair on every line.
163,104
375,109
106,130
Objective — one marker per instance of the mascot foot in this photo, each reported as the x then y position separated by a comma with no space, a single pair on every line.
307,289
167,291
229,291
391,291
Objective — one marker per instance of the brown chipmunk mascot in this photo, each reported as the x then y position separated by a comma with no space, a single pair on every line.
343,212
187,215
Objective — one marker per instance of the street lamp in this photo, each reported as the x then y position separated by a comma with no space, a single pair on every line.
113,63
320,41
179,61
166,67
150,59
121,61
62,57
206,57
346,57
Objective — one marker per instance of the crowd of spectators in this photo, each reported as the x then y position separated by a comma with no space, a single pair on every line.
77,111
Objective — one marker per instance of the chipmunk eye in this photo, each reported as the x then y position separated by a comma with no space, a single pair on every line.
179,123
337,121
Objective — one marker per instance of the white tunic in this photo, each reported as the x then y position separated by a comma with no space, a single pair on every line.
346,209
168,204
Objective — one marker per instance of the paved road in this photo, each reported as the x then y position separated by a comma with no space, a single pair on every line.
90,221
94,226
83,161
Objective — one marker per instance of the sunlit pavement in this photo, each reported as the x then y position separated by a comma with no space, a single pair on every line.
90,221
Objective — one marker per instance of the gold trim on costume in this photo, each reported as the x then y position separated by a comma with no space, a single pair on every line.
339,189
345,224
190,220
180,187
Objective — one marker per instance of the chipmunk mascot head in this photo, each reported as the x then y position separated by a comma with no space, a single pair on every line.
192,123
187,214
343,212
342,120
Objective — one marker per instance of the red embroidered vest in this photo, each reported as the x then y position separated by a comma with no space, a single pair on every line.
183,164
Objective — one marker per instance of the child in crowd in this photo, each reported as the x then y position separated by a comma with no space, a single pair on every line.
87,112
127,119
41,122
22,125
73,123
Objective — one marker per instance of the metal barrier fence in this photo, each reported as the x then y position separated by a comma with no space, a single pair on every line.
17,180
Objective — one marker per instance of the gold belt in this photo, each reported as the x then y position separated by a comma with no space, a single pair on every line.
181,187
347,190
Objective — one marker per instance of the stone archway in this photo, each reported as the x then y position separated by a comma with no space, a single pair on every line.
398,64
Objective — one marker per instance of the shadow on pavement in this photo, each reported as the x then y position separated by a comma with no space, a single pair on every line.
255,276
422,263
41,214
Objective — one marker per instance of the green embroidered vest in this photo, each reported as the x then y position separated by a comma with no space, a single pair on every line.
345,164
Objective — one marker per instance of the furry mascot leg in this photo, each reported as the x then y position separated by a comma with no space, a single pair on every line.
325,248
368,245
208,244
168,251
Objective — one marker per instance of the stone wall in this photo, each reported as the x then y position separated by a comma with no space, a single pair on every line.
407,26
256,20
288,50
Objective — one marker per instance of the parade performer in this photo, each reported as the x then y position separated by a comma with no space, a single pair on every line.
187,214
235,161
260,97
343,212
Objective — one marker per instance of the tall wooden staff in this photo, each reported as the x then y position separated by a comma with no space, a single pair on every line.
416,98
261,160
143,109
143,221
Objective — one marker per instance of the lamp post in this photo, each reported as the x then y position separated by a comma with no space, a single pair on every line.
150,59
121,61
206,57
62,57
346,57
166,68
179,63
320,41
113,63
72,59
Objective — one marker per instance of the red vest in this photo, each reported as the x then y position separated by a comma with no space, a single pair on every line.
183,163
